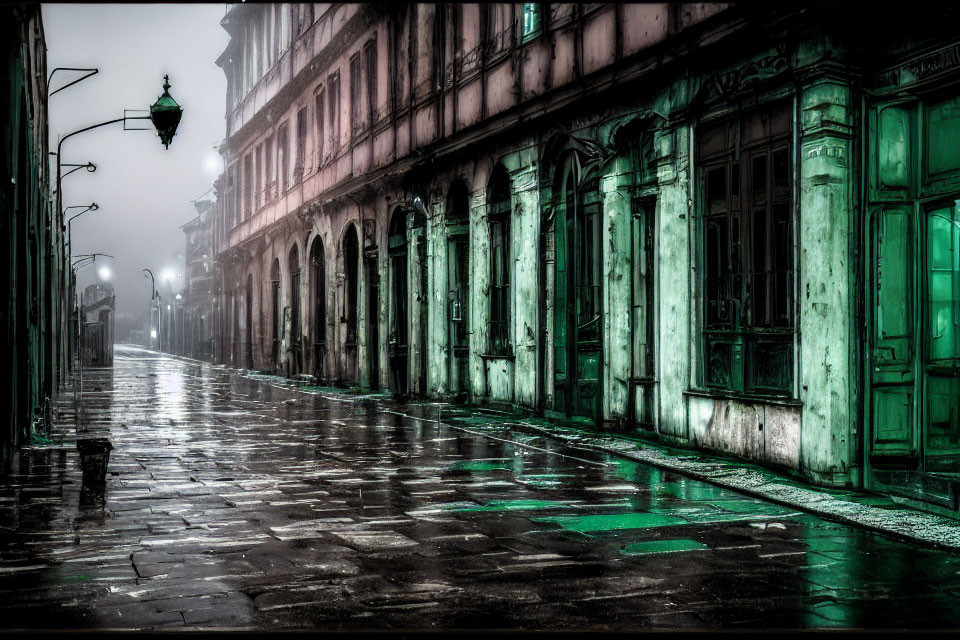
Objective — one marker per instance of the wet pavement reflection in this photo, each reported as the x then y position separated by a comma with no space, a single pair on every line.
231,502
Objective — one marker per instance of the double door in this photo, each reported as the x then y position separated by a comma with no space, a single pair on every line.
915,345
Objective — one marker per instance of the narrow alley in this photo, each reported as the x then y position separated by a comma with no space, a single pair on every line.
232,502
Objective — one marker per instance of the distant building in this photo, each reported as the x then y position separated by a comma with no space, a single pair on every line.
33,307
199,296
730,226
99,311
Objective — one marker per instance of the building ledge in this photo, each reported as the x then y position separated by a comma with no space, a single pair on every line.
718,394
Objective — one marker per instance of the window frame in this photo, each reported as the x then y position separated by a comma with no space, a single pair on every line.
283,158
371,72
356,92
300,154
738,328
333,113
319,122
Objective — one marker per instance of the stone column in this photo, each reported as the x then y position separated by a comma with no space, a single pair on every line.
676,341
525,241
438,349
414,306
615,289
479,292
826,281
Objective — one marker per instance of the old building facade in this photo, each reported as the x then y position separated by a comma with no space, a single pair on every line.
727,226
199,294
34,312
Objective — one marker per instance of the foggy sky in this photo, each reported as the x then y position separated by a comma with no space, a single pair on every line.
143,190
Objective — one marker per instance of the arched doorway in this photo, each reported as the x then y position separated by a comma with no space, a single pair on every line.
458,294
578,354
398,344
318,277
294,348
349,316
276,328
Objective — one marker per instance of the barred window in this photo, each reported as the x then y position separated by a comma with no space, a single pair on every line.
748,274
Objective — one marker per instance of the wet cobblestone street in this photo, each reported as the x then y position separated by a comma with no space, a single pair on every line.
231,502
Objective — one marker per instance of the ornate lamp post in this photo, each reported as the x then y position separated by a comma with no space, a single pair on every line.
165,115
154,296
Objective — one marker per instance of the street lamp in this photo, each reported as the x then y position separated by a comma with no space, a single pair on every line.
92,207
104,273
153,297
88,259
165,114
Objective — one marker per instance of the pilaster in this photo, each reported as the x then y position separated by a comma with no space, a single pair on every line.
826,281
615,285
525,229
438,354
675,340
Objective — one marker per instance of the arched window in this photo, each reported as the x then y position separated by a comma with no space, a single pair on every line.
498,197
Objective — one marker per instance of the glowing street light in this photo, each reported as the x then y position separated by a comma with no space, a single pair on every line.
104,273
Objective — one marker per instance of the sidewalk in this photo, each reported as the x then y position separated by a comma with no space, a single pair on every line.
867,510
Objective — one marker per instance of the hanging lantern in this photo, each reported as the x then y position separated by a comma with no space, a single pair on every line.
165,114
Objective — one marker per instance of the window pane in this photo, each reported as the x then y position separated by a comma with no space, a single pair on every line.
718,361
735,186
531,19
781,174
758,178
717,190
770,364
782,264
758,275
943,297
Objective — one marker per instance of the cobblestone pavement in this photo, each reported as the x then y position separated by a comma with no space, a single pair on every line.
233,503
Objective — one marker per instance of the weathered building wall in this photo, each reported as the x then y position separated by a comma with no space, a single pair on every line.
636,297
35,313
